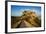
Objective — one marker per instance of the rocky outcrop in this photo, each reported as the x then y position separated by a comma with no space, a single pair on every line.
28,19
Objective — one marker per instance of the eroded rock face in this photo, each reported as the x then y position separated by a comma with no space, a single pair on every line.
29,14
32,18
28,19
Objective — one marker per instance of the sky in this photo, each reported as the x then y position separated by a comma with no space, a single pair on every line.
17,10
